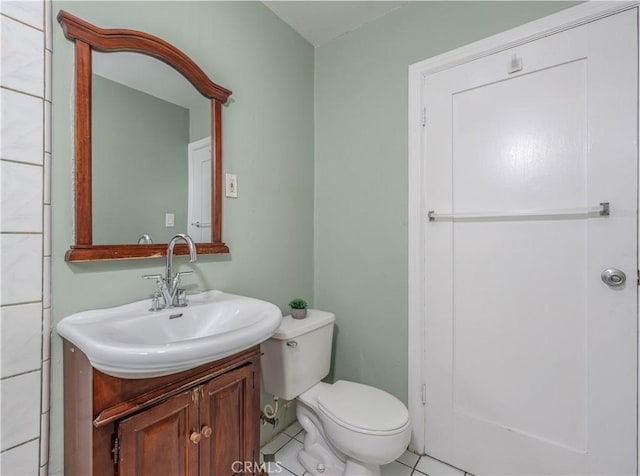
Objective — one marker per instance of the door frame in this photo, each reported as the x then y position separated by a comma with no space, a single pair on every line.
555,23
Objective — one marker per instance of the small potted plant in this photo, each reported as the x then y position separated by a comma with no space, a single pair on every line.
298,308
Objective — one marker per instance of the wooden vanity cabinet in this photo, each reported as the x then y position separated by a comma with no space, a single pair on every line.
165,427
194,423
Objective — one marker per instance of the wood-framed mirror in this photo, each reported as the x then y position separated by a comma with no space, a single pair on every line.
89,40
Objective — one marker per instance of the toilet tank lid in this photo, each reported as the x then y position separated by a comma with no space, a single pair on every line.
290,327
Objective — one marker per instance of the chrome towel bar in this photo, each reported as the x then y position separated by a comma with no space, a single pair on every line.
599,211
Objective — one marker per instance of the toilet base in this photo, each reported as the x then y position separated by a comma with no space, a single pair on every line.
315,456
320,458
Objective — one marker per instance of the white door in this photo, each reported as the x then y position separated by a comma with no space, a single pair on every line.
531,358
199,207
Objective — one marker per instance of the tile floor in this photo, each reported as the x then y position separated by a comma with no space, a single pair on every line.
285,446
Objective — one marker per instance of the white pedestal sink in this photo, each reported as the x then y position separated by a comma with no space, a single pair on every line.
130,341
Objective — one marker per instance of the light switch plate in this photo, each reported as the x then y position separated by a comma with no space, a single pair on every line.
169,220
231,185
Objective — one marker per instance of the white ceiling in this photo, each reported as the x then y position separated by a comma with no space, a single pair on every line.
319,22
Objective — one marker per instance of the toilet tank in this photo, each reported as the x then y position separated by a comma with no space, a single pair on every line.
298,355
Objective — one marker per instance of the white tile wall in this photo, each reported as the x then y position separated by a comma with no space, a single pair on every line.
46,314
20,338
44,442
47,127
48,32
25,222
46,278
46,369
21,130
21,460
22,57
20,409
21,268
47,230
47,178
48,58
46,335
29,12
20,197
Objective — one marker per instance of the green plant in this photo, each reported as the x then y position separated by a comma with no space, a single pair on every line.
298,303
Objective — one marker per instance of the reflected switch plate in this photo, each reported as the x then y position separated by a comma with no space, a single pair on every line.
231,186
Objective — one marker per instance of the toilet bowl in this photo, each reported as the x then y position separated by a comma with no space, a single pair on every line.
361,427
351,428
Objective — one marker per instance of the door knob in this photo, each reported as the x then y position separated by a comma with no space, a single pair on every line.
195,437
613,277
206,431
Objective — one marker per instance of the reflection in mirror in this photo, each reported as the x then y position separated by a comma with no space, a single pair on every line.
151,164
88,38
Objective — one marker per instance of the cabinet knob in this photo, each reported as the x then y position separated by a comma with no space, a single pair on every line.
195,437
206,431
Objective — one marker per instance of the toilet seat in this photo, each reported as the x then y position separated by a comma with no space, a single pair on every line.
363,409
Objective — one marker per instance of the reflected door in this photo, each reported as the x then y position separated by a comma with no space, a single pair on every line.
531,359
199,209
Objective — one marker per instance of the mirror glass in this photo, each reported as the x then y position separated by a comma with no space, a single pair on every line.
151,159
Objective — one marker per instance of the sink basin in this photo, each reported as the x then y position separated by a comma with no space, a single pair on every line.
132,342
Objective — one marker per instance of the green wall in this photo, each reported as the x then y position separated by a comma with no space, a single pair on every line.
139,164
267,142
360,264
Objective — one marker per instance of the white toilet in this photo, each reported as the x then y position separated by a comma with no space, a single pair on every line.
351,429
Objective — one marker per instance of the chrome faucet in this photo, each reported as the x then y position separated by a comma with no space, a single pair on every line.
169,285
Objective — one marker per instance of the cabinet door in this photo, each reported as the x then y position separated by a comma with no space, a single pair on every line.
228,416
157,441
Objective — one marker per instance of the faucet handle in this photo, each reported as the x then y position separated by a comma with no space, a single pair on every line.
180,274
157,277
181,298
155,302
